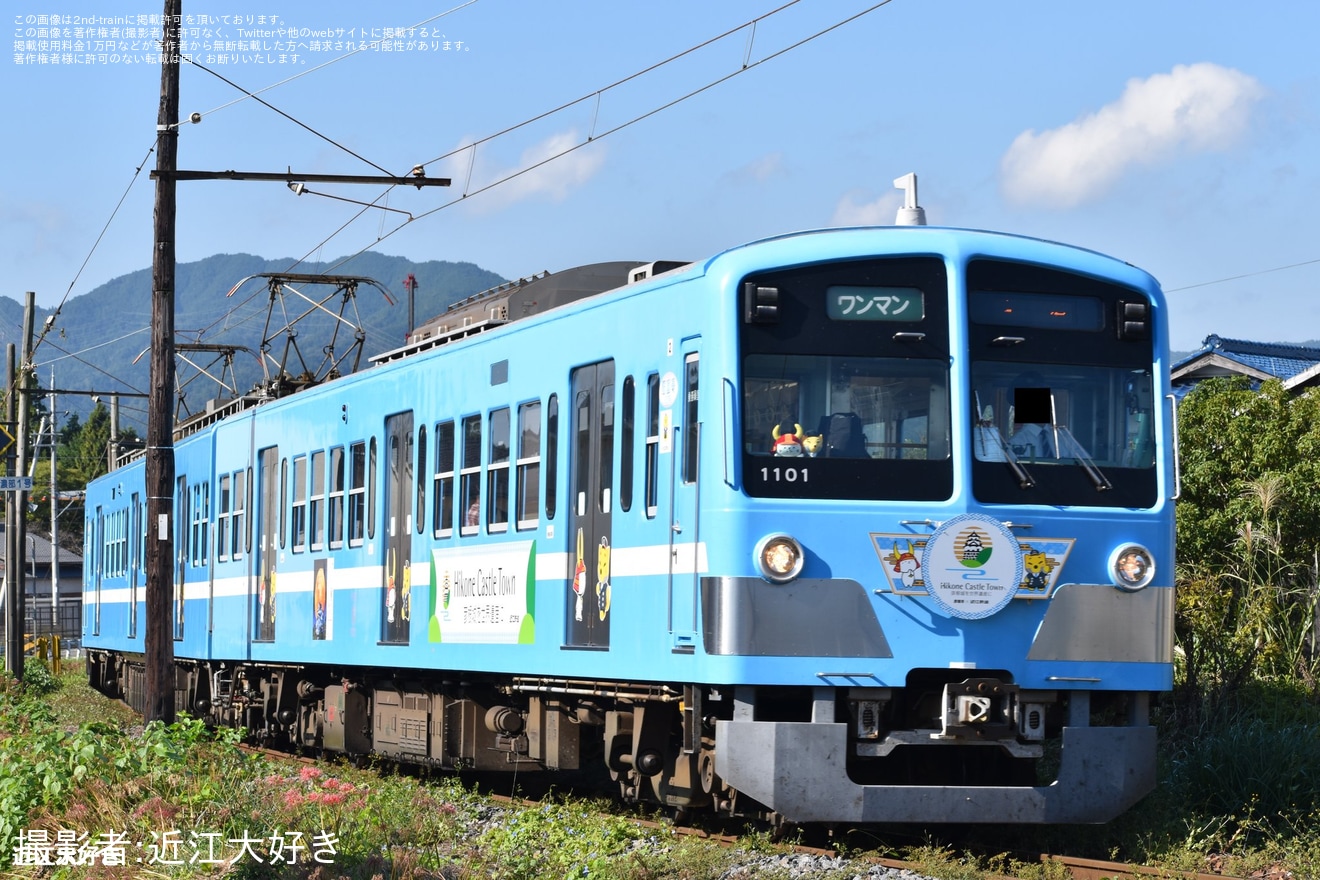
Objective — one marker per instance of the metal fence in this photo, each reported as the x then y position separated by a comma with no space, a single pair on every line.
37,624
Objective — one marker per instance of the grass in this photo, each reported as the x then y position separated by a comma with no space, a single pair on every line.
1240,793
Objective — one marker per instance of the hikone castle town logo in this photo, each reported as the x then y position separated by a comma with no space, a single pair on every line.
971,566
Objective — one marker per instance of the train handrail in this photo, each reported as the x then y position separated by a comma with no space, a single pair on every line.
1177,464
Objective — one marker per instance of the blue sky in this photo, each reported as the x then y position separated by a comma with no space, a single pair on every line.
1182,137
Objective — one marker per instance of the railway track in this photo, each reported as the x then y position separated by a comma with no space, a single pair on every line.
1077,868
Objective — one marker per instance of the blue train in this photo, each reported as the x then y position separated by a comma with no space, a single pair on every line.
853,525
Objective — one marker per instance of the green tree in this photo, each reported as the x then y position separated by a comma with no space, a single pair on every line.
1248,535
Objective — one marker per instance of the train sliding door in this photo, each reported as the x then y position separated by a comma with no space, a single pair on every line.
591,500
396,584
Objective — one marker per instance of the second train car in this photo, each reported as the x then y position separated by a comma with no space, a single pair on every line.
853,525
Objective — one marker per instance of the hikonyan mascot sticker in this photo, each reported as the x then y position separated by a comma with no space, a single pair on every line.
391,592
905,565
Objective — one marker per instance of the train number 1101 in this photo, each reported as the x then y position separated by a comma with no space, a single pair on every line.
784,475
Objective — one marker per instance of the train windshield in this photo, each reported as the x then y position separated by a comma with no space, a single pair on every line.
1062,397
845,378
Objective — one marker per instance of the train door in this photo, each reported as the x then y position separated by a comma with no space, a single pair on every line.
591,501
395,583
268,513
685,501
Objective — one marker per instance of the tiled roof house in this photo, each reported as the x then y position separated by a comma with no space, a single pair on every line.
1298,366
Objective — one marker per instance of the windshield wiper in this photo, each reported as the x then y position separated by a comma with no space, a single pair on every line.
1078,453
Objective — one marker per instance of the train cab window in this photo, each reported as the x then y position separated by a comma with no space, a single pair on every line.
846,382
497,472
551,455
627,438
692,430
420,515
238,516
529,465
442,515
316,502
1065,415
298,512
223,501
357,493
470,476
334,519
652,443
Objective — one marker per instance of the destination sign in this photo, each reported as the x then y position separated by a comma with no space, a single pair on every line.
857,303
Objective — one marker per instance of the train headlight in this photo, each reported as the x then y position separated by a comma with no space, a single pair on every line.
779,558
1132,567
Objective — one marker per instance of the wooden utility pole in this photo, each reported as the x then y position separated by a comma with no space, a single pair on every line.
160,410
13,591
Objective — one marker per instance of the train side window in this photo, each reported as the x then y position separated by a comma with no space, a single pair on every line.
551,455
442,517
298,513
238,516
316,502
420,515
201,519
529,464
691,431
652,444
470,476
335,509
371,489
626,444
223,501
357,493
497,472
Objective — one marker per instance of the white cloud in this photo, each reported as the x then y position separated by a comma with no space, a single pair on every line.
1194,108
564,170
879,212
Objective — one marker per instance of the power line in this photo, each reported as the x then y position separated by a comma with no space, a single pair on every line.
1240,277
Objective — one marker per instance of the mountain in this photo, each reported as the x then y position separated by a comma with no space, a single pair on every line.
99,340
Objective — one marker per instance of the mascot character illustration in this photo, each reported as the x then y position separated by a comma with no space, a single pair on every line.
603,577
905,565
579,577
811,444
787,445
1038,569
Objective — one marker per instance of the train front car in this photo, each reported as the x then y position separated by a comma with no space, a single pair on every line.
949,507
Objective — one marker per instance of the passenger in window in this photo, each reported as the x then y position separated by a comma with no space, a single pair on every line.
473,513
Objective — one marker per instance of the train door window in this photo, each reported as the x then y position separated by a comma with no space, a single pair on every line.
652,444
626,444
334,518
284,498
470,476
691,430
497,472
529,464
134,563
357,493
316,502
420,514
371,489
298,513
183,505
238,516
222,520
606,448
442,516
551,455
